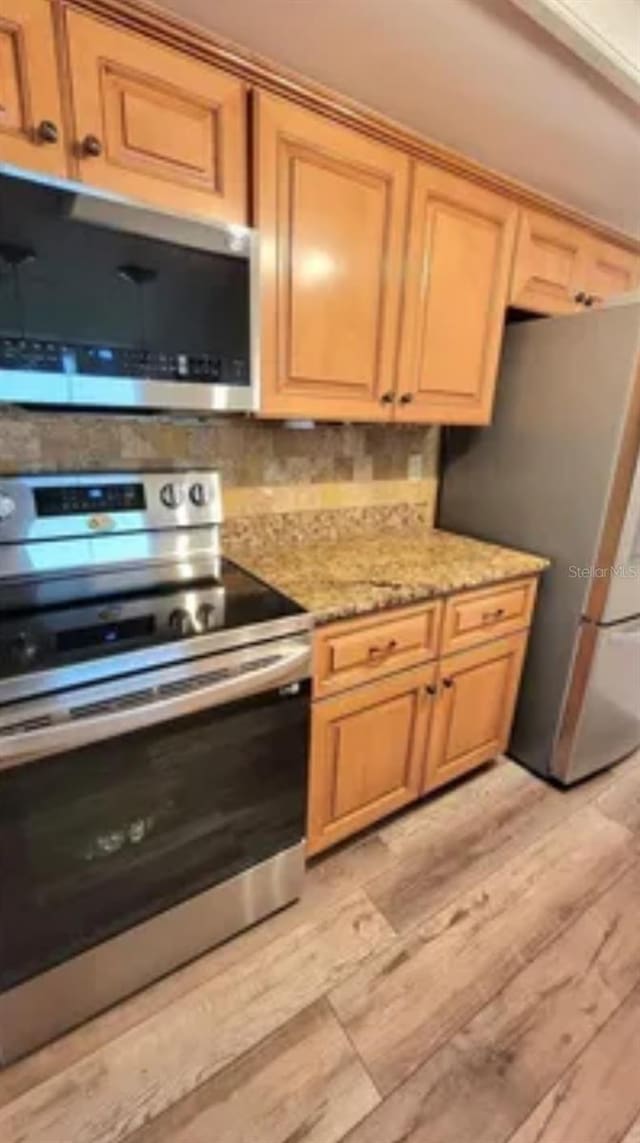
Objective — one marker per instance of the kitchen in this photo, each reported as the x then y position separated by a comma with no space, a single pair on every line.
237,395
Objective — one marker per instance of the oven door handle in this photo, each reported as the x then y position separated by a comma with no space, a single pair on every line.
78,730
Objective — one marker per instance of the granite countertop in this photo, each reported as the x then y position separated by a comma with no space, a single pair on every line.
353,576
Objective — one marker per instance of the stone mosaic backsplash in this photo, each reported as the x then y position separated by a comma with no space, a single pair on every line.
265,466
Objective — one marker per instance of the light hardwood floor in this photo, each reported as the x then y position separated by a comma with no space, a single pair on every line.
467,973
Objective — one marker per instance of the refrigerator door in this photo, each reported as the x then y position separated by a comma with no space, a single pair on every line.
623,597
609,723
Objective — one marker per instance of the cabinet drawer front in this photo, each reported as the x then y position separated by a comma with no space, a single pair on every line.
480,615
172,129
367,753
348,654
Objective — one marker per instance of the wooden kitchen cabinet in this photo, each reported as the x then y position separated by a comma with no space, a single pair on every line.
460,248
560,268
548,264
609,271
331,209
31,133
473,711
156,124
367,751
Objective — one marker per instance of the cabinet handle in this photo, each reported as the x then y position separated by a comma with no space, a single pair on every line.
448,682
47,132
387,398
580,297
91,147
377,652
492,616
431,690
589,300
406,398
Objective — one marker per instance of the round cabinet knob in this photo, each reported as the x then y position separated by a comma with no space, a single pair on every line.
91,147
23,650
171,495
7,506
406,398
206,617
199,494
47,132
386,398
181,621
580,297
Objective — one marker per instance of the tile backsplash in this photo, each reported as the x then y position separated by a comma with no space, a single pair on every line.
265,466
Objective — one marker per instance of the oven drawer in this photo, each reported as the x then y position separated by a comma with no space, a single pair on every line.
353,652
475,616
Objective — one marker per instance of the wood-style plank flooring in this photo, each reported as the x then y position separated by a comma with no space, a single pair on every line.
467,973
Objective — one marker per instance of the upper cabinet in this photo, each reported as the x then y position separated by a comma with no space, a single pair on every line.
460,248
547,264
30,115
560,268
331,210
609,271
154,124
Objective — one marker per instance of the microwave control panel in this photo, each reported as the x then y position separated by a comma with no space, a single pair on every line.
28,354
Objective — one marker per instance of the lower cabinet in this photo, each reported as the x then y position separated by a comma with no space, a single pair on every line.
379,746
477,691
367,754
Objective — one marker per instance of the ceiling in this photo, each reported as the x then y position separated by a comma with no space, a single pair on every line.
478,75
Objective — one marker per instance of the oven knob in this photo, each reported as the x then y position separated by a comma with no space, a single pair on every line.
181,621
199,494
206,616
172,495
7,506
23,650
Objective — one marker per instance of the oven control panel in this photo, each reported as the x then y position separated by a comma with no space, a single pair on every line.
57,507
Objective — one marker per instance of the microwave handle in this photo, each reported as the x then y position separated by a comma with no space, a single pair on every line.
24,746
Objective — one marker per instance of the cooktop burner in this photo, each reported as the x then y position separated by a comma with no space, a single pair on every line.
39,638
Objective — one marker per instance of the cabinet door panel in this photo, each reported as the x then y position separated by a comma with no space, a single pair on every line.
549,264
474,709
366,754
29,91
459,258
610,271
331,207
172,129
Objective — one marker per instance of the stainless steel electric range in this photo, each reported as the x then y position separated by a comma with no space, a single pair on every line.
154,721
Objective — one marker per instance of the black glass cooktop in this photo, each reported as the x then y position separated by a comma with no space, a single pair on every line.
36,638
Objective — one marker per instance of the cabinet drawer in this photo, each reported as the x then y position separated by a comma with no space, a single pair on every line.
353,652
476,616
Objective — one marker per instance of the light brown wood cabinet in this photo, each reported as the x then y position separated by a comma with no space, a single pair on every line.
155,124
367,754
378,743
31,132
560,268
461,240
331,210
473,709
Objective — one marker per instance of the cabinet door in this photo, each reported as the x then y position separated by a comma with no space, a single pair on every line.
331,207
30,114
459,260
610,271
366,754
473,711
153,124
548,264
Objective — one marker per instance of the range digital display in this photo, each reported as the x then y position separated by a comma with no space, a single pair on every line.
105,634
80,500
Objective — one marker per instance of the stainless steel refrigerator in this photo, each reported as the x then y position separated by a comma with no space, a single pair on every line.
558,472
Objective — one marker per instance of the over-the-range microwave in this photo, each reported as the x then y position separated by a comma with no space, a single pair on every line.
105,303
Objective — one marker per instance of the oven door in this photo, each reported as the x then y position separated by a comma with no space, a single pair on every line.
127,804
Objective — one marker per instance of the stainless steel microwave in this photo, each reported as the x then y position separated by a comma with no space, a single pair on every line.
105,303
